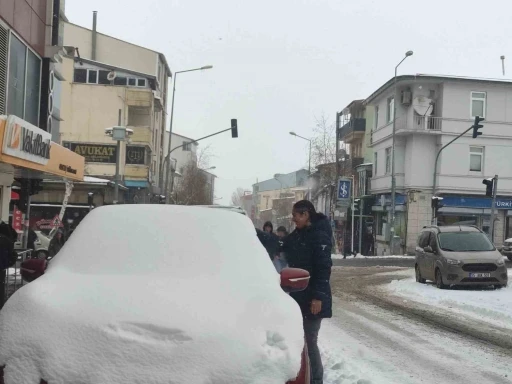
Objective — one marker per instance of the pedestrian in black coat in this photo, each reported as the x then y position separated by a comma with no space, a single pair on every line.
309,247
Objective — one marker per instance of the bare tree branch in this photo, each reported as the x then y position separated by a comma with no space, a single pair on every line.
193,187
236,197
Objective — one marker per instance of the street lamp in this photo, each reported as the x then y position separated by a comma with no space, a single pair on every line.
309,163
168,157
118,133
207,169
393,176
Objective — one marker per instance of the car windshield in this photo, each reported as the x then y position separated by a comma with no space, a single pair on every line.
464,242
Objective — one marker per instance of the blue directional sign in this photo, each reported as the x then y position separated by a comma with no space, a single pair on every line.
344,190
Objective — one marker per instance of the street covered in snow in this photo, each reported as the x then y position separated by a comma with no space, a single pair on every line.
386,328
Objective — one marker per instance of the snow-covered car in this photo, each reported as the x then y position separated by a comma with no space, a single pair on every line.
506,250
156,294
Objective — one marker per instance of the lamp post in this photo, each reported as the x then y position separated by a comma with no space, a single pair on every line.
118,134
168,157
309,162
393,176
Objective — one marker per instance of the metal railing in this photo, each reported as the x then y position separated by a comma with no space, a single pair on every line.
426,123
13,280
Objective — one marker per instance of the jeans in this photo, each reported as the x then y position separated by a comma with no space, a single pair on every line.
311,329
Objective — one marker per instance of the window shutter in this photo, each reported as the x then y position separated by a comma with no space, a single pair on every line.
4,44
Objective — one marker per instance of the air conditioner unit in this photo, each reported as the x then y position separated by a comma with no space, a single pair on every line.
406,97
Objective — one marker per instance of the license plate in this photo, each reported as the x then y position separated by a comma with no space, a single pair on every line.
479,275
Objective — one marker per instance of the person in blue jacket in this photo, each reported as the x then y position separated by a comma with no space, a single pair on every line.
309,247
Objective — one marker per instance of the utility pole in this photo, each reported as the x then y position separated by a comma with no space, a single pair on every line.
118,159
360,224
493,207
353,209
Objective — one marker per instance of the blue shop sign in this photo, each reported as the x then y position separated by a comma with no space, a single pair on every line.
476,202
399,199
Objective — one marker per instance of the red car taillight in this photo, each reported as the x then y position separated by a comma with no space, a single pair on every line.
2,377
304,375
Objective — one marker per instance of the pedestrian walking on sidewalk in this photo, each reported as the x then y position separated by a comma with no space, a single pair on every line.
309,247
280,262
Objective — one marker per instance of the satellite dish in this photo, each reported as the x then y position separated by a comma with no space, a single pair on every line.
111,76
422,105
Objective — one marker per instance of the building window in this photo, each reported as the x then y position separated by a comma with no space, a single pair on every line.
80,75
103,77
381,219
120,80
376,122
24,82
141,82
187,146
388,160
92,76
375,163
391,109
132,82
478,104
476,159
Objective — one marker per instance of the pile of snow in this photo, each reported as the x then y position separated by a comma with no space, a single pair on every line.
359,256
154,294
492,306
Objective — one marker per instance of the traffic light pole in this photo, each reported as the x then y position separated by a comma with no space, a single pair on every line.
434,182
493,207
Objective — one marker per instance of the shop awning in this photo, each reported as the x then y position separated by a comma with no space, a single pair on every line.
136,183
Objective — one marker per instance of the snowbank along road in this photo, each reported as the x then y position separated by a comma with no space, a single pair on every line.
378,334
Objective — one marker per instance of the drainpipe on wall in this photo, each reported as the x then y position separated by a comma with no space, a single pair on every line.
94,34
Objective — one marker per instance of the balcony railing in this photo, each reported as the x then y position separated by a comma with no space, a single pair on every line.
357,124
419,123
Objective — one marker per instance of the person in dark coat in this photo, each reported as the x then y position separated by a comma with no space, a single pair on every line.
309,247
271,243
56,243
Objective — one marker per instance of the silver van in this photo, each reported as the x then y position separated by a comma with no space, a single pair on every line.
458,255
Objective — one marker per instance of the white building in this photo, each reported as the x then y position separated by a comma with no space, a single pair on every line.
431,111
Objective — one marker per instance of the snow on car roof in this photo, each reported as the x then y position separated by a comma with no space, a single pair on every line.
154,294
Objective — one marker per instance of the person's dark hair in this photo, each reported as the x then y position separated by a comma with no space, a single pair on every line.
303,206
282,229
268,224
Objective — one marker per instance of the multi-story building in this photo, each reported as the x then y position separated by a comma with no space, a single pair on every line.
184,152
112,82
268,195
430,112
31,51
354,160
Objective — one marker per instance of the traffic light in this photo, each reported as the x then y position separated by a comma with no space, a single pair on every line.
437,203
28,187
489,187
234,128
477,126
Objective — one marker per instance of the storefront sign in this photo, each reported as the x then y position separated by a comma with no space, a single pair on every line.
135,155
17,219
107,153
50,224
94,153
25,141
476,202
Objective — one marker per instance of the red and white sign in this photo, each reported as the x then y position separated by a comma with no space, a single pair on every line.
17,219
50,224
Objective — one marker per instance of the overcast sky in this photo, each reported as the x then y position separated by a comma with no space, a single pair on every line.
280,64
